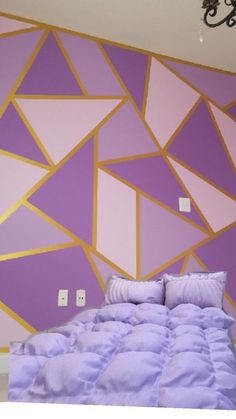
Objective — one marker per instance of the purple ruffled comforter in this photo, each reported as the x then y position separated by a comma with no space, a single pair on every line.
134,355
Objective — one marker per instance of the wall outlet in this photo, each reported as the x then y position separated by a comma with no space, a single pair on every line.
184,205
62,298
80,298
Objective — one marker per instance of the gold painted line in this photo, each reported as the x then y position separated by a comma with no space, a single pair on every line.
95,191
70,63
190,250
94,268
156,201
38,251
138,233
131,100
22,74
51,220
230,300
19,32
220,135
67,97
199,261
17,318
202,177
4,349
24,159
191,85
182,124
148,75
129,158
229,105
107,41
197,209
185,263
33,133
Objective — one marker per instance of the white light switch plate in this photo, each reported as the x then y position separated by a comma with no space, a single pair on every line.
80,298
62,298
184,205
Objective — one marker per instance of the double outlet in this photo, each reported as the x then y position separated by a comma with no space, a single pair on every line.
63,297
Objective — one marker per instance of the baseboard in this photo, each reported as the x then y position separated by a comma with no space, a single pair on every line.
4,363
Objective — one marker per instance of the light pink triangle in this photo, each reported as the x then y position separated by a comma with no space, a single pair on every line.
10,25
193,266
61,124
163,236
218,209
168,102
227,127
16,178
231,310
104,268
11,330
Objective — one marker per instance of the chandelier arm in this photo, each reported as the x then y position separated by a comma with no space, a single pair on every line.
229,19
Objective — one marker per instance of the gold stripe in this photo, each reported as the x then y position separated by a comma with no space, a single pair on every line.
200,262
184,266
24,159
133,48
38,251
182,124
20,78
146,87
70,63
197,209
230,300
17,318
138,232
129,158
4,349
202,177
95,191
226,107
167,208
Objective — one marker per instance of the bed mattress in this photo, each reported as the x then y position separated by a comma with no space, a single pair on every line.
130,354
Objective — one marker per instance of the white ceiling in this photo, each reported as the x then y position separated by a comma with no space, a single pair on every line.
169,27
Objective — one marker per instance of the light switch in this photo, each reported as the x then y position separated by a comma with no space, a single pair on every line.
184,205
80,298
62,298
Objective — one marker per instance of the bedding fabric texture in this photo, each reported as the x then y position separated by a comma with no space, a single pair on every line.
130,354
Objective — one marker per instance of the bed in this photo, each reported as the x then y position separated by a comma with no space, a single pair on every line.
137,349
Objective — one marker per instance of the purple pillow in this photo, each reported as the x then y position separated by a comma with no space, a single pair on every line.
204,289
122,290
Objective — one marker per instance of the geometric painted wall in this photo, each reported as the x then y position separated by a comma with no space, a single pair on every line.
97,143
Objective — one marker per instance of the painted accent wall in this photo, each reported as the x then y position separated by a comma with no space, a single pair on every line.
97,143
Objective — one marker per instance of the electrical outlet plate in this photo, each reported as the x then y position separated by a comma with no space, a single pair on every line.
80,298
184,205
62,298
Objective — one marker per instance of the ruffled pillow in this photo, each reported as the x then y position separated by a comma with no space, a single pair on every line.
122,290
204,289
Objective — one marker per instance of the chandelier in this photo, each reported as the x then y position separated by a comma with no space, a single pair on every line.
211,7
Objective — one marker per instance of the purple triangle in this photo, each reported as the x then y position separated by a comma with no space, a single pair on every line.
219,86
37,280
154,177
50,73
198,145
131,67
15,137
219,254
232,111
68,194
